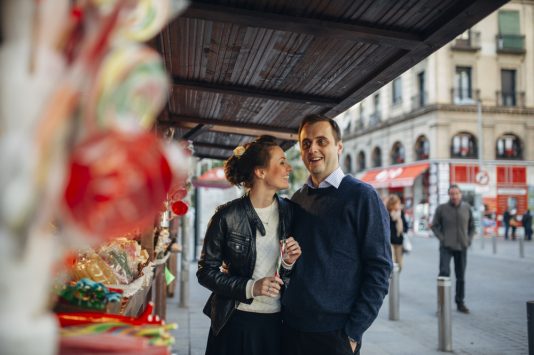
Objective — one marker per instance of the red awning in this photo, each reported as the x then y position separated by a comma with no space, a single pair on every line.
394,176
212,178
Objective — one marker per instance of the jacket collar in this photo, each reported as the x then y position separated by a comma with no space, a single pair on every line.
253,216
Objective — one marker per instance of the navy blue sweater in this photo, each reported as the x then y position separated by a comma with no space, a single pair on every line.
341,278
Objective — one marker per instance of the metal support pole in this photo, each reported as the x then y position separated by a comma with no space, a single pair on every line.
444,314
197,222
394,299
530,324
494,243
184,274
521,246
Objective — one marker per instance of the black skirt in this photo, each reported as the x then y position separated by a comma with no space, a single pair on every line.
247,333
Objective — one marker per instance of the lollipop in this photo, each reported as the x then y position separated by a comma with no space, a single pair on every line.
117,182
130,88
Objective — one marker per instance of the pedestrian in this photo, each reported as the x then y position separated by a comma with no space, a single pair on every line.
527,224
246,241
398,226
338,284
506,222
514,223
454,226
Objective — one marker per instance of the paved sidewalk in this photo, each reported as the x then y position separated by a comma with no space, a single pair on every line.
497,288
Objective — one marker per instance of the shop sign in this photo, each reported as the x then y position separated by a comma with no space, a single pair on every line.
388,174
511,191
482,177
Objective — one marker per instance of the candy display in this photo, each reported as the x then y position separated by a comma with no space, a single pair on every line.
89,294
92,266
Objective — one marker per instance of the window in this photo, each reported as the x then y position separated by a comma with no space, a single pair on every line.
463,90
508,88
347,165
396,94
377,157
464,145
509,147
422,148
510,38
397,153
419,100
375,116
360,161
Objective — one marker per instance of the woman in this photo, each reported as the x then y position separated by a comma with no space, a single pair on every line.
241,260
398,227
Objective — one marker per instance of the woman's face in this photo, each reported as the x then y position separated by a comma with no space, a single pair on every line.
396,207
278,169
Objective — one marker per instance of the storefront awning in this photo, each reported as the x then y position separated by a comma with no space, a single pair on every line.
213,178
394,176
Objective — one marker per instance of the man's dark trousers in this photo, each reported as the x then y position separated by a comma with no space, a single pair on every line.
460,261
295,342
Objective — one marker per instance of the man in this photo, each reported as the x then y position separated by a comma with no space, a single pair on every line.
506,221
454,226
339,283
526,220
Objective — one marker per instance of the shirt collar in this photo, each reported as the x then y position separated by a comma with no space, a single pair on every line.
333,179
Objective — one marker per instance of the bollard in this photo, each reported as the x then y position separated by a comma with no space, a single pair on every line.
530,325
482,242
444,314
521,247
494,243
184,275
394,300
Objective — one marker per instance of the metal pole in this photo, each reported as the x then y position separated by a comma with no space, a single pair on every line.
444,314
197,222
494,243
530,324
482,238
394,300
521,246
184,274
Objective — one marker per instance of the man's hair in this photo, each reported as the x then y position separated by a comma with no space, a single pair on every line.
314,118
454,186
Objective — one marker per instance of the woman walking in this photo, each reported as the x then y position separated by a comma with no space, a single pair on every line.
398,227
248,254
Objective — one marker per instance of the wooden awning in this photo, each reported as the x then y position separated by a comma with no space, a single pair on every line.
247,67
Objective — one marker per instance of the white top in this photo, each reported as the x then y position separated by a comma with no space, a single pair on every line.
267,255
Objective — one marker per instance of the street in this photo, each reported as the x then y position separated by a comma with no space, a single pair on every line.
497,289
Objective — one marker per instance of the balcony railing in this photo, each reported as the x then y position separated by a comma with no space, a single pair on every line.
471,42
510,99
513,44
419,100
463,96
375,118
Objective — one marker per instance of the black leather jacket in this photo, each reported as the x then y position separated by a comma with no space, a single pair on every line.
231,241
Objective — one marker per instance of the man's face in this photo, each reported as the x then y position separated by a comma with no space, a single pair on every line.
455,196
319,150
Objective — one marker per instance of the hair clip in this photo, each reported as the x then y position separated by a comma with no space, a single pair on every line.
239,150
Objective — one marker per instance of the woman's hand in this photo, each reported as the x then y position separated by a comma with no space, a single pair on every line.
268,286
291,251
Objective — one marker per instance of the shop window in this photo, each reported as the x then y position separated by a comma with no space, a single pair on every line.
509,146
464,145
398,153
377,157
422,148
347,164
360,161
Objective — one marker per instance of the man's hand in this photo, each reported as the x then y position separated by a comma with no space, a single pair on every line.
353,344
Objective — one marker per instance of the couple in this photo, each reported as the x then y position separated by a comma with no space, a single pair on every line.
272,297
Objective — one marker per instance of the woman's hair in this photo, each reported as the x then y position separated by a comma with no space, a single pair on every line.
392,201
239,168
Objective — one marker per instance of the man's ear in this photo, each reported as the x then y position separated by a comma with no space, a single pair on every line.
339,148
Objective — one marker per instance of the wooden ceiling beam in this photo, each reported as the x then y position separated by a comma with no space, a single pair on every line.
294,24
254,92
240,128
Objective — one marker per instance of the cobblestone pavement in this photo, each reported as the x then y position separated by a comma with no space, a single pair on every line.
497,289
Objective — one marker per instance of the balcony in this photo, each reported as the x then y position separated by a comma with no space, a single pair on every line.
510,99
419,100
375,118
510,44
463,96
468,41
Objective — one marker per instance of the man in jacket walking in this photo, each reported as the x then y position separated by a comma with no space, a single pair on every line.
454,226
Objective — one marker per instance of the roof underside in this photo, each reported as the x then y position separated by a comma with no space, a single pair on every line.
247,67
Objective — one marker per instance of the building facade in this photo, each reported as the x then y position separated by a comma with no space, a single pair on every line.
464,115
